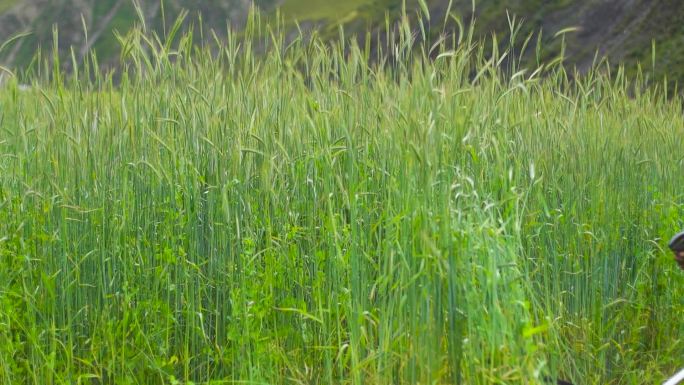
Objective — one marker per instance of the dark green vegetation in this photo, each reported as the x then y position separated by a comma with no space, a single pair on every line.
296,216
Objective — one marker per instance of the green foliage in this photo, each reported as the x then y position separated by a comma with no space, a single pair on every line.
272,212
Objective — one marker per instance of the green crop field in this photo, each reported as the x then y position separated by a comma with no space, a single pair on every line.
321,9
278,211
7,4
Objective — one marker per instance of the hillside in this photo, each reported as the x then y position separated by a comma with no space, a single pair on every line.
101,18
622,30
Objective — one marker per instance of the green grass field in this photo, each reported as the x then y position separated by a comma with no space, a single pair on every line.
7,4
321,9
293,214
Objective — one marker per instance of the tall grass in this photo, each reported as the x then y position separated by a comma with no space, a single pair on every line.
268,210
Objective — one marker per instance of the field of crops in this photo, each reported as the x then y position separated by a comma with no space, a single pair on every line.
267,212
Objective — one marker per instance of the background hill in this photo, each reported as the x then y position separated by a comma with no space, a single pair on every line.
622,30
